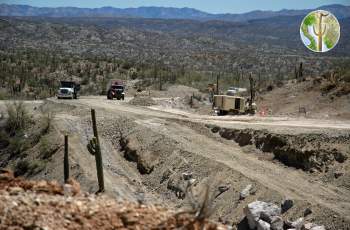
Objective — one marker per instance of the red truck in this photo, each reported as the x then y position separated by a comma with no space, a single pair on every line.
116,90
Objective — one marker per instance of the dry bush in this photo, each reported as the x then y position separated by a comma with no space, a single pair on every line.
46,122
30,167
18,117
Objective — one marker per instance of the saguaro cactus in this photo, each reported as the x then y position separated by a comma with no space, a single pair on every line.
321,31
65,160
95,149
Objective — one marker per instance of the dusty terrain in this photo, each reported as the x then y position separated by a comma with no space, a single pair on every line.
148,151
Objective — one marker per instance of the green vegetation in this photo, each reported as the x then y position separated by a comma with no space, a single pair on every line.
310,20
304,29
328,43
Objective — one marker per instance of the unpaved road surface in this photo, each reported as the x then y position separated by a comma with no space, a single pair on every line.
273,181
229,121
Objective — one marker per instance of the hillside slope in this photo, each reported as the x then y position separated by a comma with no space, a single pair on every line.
319,97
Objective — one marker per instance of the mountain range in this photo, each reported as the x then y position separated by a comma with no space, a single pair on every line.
340,11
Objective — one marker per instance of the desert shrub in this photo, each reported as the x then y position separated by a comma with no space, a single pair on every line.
346,77
17,145
327,88
279,84
18,117
4,140
22,167
198,97
47,148
46,122
343,90
269,88
3,95
30,167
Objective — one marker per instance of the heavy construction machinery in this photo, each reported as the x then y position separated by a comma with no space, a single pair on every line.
224,104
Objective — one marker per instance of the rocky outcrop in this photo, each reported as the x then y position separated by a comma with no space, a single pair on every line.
267,216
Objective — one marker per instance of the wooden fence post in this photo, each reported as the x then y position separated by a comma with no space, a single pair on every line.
66,160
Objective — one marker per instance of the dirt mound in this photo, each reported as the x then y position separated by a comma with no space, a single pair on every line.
142,101
48,205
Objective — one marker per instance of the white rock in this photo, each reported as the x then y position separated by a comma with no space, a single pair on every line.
298,224
262,225
277,223
254,209
318,228
245,192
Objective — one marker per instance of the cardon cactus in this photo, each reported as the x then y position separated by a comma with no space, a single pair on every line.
92,146
95,149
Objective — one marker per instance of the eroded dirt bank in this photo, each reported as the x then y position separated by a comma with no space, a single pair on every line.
309,152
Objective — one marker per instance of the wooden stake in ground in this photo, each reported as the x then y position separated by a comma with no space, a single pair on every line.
66,160
95,149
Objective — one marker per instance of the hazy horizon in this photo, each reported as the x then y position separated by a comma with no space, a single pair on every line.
219,6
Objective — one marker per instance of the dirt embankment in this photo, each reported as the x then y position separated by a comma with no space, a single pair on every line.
309,152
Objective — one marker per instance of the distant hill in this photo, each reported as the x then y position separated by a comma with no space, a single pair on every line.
340,11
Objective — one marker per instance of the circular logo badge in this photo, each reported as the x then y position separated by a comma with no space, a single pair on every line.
320,31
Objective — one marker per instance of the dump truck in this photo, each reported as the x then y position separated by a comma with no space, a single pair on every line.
69,90
116,90
224,104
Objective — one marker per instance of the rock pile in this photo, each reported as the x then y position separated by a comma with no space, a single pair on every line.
49,205
267,216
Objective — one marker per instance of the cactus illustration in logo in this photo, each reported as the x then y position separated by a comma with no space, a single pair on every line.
320,31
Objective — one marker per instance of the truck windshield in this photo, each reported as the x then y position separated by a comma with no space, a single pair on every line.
67,84
118,87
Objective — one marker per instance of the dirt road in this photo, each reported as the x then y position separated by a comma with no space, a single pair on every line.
229,121
123,179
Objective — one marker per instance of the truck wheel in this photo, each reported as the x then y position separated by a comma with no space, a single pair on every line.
123,98
109,96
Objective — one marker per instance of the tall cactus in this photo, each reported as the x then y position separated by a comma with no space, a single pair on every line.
66,160
321,31
95,149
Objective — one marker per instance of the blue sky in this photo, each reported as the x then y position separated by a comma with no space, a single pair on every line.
212,6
